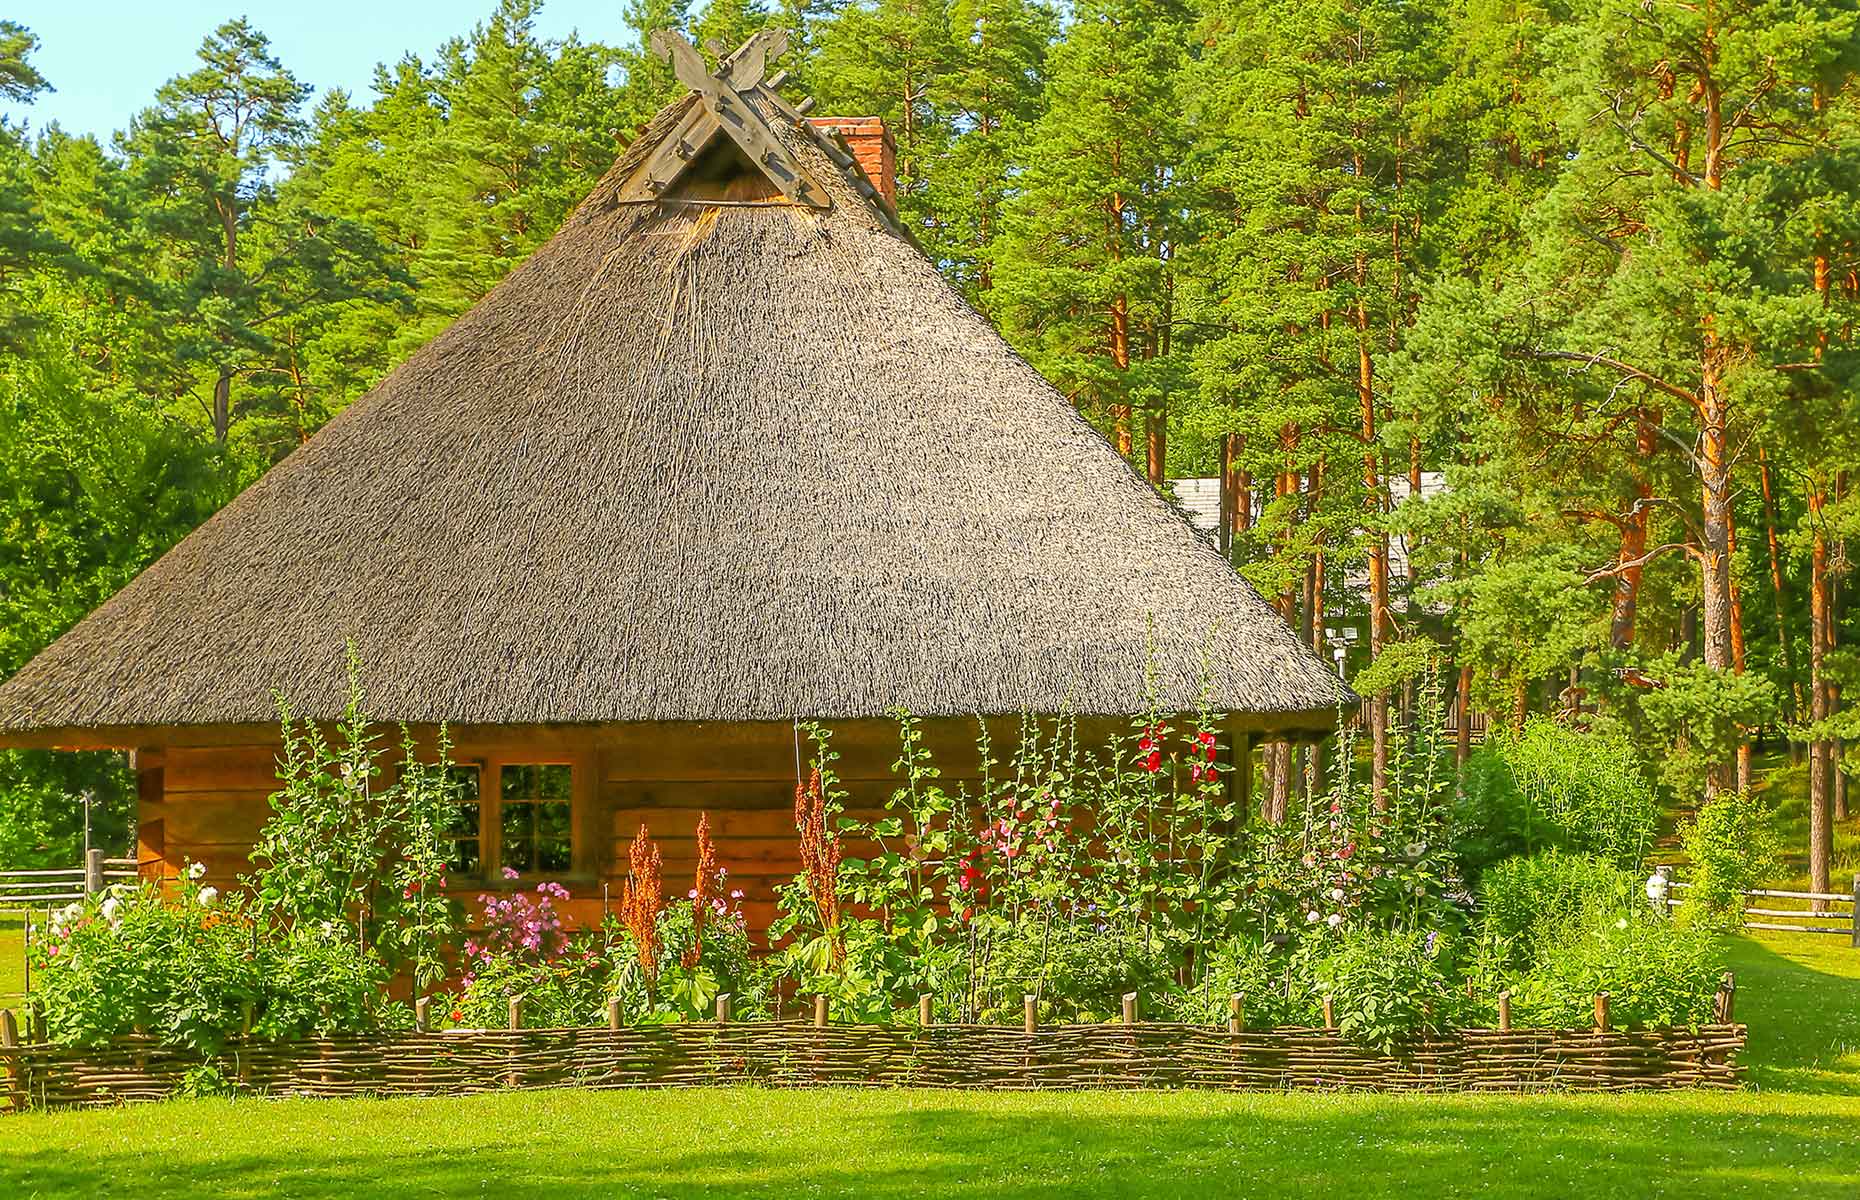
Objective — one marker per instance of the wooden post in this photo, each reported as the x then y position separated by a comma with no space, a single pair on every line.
246,1012
820,1012
1601,1012
423,1015
93,872
1724,1004
1236,1012
1130,1008
723,1008
1030,1012
9,1050
516,1012
1856,914
1504,1011
1330,1014
613,1014
926,1010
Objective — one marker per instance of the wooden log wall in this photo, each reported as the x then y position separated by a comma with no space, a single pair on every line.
802,1054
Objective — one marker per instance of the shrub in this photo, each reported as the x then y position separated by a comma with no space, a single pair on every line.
1385,987
1655,973
1526,901
1732,848
569,989
1585,791
1078,969
1492,821
185,969
1274,984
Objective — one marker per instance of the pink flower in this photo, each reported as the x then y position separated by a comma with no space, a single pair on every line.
510,873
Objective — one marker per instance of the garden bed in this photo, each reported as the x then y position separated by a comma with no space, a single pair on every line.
802,1054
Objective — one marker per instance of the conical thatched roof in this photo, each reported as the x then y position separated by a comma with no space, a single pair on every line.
692,461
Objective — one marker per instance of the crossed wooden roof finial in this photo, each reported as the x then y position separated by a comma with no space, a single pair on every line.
723,108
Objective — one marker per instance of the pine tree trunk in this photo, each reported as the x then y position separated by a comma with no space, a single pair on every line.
1156,444
1785,640
1820,758
1715,552
1634,533
1462,734
1378,550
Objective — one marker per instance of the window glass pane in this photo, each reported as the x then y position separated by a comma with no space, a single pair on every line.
517,821
520,853
464,859
553,782
464,781
518,783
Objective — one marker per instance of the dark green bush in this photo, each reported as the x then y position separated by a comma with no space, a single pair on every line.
1525,902
1386,987
1276,987
1554,787
1655,972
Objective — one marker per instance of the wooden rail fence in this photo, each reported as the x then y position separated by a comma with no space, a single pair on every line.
35,889
804,1053
1759,903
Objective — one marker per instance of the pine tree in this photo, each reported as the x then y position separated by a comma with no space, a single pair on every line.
1085,267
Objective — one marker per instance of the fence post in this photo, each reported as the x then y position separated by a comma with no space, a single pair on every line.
1601,1012
516,1012
1130,1008
1235,1012
1725,1002
926,1010
723,1008
9,1043
613,1013
1504,1012
1856,912
422,1015
1030,1013
93,872
1330,1014
820,1012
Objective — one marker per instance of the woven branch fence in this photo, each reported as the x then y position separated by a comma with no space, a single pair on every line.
803,1054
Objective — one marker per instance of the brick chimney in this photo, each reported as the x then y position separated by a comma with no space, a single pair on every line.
871,145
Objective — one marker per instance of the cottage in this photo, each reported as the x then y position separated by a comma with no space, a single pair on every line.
726,453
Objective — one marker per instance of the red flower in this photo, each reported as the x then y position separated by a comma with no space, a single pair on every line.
1153,763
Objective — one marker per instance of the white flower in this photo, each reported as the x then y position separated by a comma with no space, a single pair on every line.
1621,923
1334,920
1311,917
327,928
109,907
1656,887
209,896
1336,893
196,869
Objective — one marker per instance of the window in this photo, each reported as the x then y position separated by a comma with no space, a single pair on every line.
466,834
535,829
518,816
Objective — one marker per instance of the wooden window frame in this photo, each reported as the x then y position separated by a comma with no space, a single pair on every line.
490,762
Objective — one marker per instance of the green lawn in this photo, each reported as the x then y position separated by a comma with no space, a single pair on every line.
1792,1134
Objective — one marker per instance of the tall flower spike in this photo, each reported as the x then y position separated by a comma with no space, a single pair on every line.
703,892
641,901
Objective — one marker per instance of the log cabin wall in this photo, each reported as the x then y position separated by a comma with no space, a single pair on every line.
207,804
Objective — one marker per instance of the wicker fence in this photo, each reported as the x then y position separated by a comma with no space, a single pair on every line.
807,1054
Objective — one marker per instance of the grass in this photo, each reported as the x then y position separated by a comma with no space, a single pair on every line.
742,1142
1790,1135
12,959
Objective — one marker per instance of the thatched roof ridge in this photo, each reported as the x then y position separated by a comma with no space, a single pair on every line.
692,462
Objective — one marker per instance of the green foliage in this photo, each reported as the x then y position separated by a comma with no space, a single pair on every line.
187,968
1274,984
1585,791
1655,972
1076,971
1731,847
1385,986
1527,903
345,849
1700,716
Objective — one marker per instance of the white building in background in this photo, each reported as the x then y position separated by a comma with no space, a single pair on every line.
1200,501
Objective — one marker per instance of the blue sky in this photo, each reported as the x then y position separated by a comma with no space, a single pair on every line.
107,57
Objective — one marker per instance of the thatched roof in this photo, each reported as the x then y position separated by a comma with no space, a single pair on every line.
692,461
